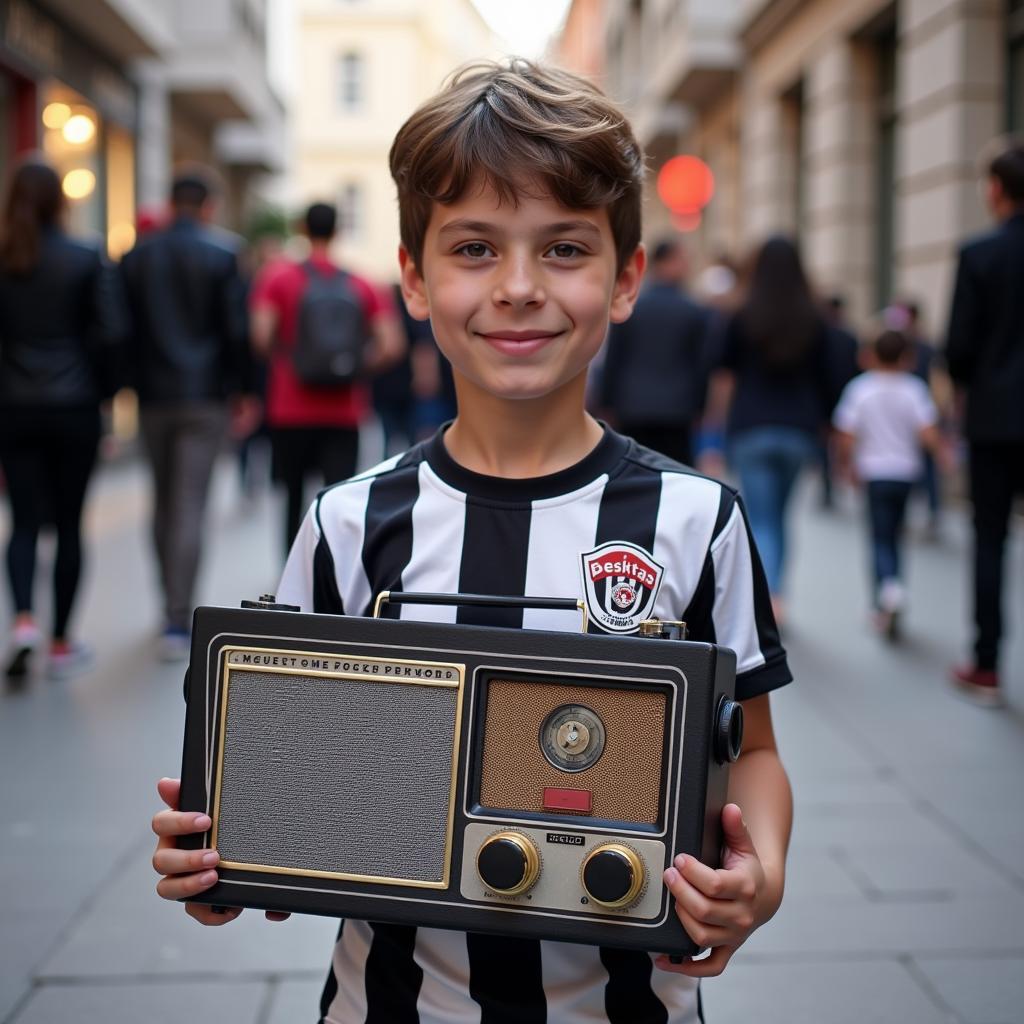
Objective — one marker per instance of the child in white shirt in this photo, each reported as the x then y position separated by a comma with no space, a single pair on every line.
884,418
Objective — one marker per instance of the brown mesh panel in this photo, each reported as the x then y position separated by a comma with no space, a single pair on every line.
625,781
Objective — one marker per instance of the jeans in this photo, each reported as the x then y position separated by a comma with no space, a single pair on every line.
182,442
768,461
887,509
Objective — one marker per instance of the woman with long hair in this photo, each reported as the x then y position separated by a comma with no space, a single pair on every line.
60,321
776,349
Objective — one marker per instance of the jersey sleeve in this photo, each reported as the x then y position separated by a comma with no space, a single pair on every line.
296,583
741,611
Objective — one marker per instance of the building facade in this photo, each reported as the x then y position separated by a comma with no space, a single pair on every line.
361,68
115,92
854,125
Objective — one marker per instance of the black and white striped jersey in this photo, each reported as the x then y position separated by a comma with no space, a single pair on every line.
633,534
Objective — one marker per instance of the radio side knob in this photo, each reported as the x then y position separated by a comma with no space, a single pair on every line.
508,863
613,875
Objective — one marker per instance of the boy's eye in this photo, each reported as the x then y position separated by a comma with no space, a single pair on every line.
565,250
474,250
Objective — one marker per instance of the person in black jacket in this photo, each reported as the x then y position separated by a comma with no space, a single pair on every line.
985,358
781,365
61,324
654,377
193,371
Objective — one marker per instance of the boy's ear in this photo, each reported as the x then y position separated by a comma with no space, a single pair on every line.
627,286
414,291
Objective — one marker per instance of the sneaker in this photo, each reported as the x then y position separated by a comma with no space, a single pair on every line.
175,644
980,685
70,659
24,640
892,595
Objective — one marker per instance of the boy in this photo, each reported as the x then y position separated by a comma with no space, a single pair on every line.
519,196
884,418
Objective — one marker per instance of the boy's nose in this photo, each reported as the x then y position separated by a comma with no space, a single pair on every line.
519,284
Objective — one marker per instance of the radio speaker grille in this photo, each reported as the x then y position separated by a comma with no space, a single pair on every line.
625,782
337,776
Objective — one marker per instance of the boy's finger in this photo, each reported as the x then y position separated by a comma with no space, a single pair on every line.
169,860
737,837
710,967
180,823
696,904
704,935
207,915
170,791
714,883
179,887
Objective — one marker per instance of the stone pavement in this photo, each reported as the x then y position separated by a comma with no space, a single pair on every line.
905,900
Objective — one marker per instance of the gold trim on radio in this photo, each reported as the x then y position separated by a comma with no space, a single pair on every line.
458,685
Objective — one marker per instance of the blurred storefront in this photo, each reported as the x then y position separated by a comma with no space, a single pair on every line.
117,92
854,124
72,100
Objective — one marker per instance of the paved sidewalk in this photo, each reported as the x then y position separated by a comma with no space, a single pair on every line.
906,892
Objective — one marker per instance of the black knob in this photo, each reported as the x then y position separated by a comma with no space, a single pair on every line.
728,731
613,875
268,602
508,863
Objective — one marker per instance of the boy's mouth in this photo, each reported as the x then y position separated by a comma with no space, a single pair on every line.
518,343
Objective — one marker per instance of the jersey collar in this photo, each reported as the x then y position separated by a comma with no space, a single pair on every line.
602,459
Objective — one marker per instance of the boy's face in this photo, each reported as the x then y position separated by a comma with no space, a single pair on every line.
519,296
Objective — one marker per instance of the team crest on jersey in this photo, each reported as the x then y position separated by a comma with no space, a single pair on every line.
620,585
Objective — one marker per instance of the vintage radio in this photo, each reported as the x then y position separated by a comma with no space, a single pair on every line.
522,782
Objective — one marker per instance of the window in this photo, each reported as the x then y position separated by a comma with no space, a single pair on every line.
351,85
351,211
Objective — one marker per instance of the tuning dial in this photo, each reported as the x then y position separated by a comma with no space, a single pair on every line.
613,875
508,863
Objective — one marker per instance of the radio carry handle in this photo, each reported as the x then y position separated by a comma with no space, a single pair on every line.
570,604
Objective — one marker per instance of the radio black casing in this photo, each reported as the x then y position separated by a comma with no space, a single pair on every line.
701,676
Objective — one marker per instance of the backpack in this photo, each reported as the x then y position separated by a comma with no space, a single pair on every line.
332,330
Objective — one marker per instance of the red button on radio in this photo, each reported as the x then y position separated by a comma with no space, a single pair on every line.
578,800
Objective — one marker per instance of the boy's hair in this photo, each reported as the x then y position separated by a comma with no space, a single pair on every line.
1006,165
321,221
516,126
891,347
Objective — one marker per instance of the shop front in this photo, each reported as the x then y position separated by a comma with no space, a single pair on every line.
67,99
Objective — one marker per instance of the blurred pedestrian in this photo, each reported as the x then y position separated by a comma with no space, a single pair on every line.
416,395
985,357
315,304
905,315
654,376
61,330
193,376
883,420
782,391
844,359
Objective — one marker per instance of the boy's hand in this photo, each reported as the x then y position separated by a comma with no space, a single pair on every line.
719,908
187,872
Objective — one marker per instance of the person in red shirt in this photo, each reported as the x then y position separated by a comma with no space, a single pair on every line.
314,429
